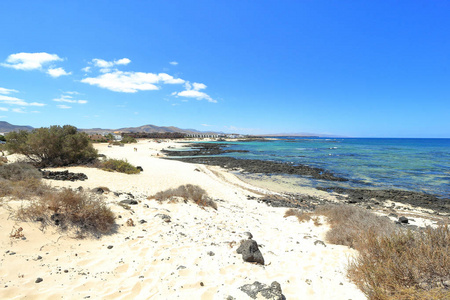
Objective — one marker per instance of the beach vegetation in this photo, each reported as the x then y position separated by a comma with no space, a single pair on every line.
52,147
391,263
186,192
118,165
2,138
128,140
404,265
70,209
349,222
19,171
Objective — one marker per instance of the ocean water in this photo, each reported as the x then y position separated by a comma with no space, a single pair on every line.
421,165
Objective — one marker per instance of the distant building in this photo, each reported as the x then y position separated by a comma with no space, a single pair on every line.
97,138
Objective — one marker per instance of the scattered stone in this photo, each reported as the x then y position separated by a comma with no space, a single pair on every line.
181,267
140,168
39,279
393,215
39,257
249,235
210,253
403,220
250,252
260,290
130,222
164,217
110,247
201,283
129,202
98,190
368,207
308,281
320,243
142,221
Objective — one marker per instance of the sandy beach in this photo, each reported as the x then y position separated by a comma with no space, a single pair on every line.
192,257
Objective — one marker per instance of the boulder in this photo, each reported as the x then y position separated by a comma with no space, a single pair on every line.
250,252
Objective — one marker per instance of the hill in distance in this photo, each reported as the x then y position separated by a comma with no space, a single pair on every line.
7,127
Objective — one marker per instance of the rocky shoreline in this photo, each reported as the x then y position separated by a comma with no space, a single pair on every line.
209,152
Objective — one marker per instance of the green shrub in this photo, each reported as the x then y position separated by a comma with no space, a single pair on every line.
186,192
53,146
128,140
118,165
69,209
19,171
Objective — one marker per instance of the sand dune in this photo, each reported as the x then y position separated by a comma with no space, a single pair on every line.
192,257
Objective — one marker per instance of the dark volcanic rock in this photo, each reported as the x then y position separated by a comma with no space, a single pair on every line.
256,289
263,166
413,198
63,175
250,252
201,149
403,220
129,202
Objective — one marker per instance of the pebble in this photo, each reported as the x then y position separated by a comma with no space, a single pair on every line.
39,279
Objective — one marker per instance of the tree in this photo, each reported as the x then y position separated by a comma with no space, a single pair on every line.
2,138
52,147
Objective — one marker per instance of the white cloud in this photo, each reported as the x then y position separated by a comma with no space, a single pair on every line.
62,106
131,82
86,69
123,61
69,99
101,63
71,93
173,63
7,91
206,125
30,61
56,72
18,110
193,91
104,64
16,101
3,109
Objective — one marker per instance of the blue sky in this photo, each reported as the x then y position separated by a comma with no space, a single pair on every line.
352,68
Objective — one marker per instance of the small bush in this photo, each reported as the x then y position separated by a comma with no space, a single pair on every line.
128,140
67,208
349,222
404,265
186,192
19,171
23,189
118,165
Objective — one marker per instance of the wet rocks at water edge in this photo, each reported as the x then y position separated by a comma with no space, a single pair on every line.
250,252
202,149
258,290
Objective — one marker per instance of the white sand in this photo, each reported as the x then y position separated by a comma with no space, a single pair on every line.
159,260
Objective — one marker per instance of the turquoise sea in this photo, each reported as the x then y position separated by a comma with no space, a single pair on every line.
421,165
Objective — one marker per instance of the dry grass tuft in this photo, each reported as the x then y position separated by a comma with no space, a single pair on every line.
349,222
392,263
67,208
23,189
301,216
404,265
19,171
186,192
